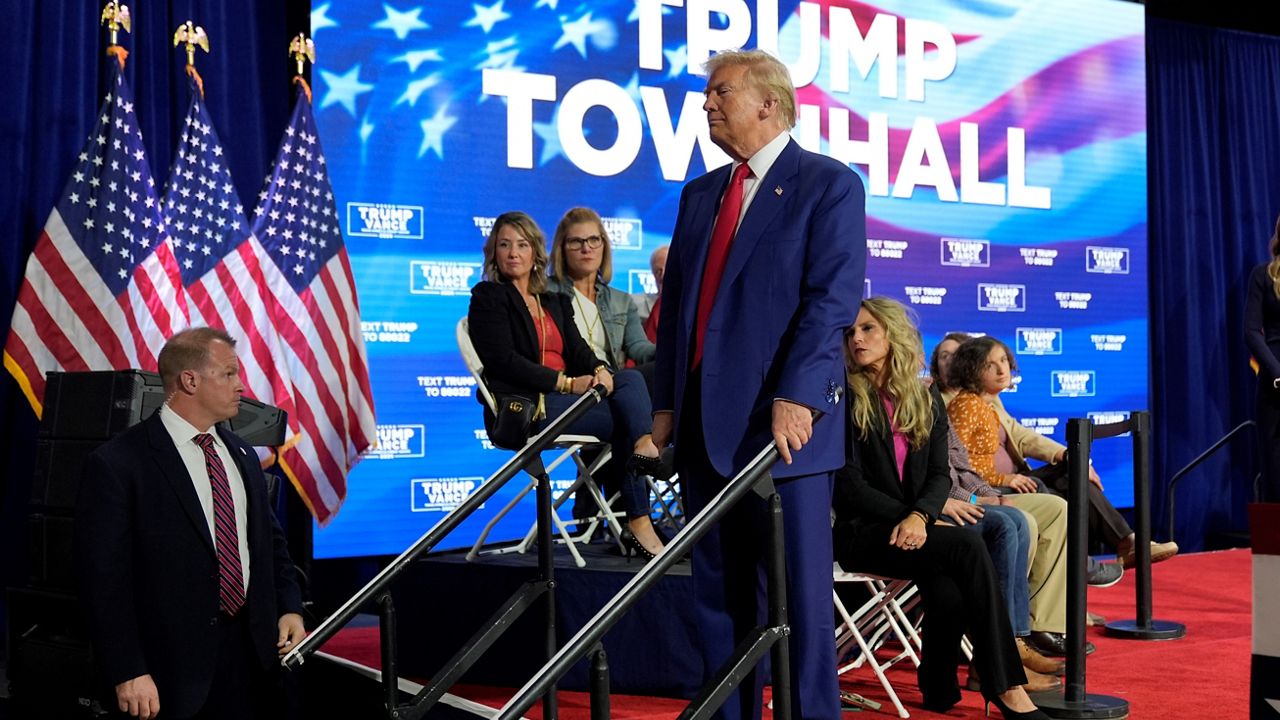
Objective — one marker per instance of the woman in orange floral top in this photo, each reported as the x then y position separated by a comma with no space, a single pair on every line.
980,369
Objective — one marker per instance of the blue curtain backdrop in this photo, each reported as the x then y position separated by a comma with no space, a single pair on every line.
53,62
1214,127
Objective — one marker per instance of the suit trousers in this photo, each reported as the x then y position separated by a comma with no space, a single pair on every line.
960,595
728,576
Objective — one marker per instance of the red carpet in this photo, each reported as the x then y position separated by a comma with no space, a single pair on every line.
1203,675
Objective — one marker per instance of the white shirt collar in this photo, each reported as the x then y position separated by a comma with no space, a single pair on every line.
767,155
182,431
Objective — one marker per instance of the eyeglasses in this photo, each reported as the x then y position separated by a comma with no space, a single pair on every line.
591,241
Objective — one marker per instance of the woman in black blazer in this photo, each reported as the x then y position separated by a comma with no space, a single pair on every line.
529,345
889,495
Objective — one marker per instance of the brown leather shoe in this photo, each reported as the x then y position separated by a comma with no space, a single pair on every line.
1037,682
1159,551
1033,660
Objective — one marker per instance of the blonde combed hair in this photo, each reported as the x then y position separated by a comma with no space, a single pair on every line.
912,406
764,72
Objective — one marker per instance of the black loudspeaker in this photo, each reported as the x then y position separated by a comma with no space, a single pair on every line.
59,467
50,662
259,424
49,547
98,405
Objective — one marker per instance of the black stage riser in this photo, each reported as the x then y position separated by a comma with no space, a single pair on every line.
443,600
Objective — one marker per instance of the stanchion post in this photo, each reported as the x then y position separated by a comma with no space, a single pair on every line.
390,673
1074,702
599,684
776,569
546,562
1143,627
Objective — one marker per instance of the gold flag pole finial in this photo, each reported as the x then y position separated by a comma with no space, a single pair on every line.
194,37
115,15
303,49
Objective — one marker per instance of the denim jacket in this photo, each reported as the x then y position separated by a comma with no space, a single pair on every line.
624,335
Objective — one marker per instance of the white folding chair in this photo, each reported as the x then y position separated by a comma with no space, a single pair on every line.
867,628
570,447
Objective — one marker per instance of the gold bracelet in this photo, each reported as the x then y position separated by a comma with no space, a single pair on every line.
923,518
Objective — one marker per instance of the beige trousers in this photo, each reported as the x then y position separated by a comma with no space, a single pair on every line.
1047,564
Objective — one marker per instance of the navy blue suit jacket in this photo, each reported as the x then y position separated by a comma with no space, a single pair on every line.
791,285
148,573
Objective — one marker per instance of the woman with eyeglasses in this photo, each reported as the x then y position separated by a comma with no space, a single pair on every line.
888,498
582,267
529,344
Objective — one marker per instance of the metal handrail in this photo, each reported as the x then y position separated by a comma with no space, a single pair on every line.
432,537
590,635
1177,477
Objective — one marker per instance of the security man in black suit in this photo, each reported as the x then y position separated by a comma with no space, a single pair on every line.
182,568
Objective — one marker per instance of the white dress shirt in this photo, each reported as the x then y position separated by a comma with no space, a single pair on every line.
183,434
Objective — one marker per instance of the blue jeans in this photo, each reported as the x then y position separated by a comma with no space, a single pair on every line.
1008,539
620,419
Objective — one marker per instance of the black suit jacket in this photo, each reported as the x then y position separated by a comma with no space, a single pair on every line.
868,492
148,573
505,339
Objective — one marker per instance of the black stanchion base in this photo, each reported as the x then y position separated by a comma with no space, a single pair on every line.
1055,705
1156,630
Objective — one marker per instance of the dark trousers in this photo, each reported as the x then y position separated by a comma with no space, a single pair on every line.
728,577
1106,524
958,588
240,689
1268,413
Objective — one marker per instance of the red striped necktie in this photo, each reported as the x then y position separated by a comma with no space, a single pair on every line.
226,539
717,254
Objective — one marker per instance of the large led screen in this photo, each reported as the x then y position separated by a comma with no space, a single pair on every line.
1002,144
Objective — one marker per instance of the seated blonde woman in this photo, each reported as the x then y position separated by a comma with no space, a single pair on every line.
887,499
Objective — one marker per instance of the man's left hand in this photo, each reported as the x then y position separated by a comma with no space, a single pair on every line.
792,427
291,632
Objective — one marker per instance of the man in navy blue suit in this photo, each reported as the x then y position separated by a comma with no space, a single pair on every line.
182,568
763,276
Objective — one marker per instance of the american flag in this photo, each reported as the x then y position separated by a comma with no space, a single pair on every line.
222,263
102,289
317,315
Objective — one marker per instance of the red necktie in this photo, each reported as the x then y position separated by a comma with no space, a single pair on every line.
718,253
225,537
651,322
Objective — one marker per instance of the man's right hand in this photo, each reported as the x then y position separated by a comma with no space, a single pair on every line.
663,423
138,697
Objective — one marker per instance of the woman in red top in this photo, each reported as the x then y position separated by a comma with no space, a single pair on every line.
529,345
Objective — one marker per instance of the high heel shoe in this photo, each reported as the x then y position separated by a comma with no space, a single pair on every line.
631,544
652,466
1008,714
